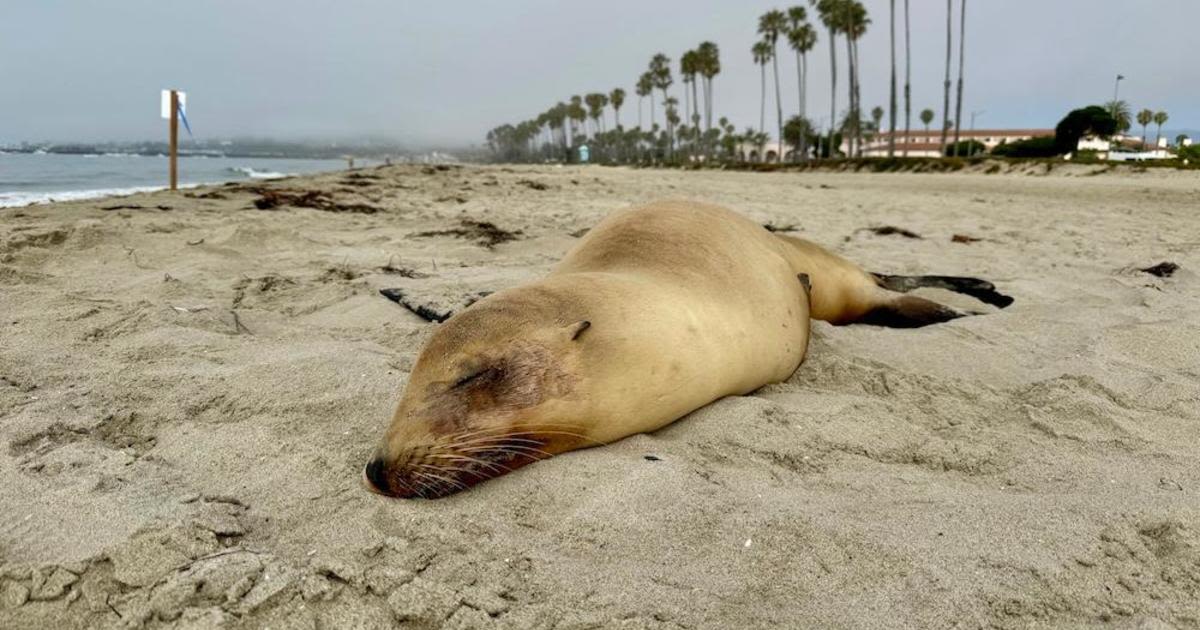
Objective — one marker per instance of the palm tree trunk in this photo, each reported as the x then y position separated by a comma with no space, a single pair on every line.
907,83
1143,137
778,108
962,40
832,90
639,113
670,127
858,142
892,113
804,105
762,107
853,118
1158,135
800,96
687,102
946,85
695,109
708,103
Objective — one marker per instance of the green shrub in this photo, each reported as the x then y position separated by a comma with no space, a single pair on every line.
1040,147
965,148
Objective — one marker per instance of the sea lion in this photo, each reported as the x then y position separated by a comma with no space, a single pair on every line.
656,312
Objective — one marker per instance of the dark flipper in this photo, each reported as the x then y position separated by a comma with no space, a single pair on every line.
981,290
909,311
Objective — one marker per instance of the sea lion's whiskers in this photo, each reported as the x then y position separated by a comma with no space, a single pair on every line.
446,480
457,469
513,450
458,457
484,447
494,466
498,436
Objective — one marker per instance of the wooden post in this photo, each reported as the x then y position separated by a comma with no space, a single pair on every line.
174,142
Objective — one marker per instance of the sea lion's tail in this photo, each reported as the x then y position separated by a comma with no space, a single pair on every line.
981,290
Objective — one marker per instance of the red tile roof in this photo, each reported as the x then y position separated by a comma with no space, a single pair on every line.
978,133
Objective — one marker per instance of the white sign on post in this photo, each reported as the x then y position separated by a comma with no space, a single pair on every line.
166,103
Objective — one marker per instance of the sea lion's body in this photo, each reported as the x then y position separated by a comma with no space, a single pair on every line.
657,311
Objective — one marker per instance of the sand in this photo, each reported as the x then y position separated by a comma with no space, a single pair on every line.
188,394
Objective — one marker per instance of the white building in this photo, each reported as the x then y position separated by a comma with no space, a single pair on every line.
921,143
1124,148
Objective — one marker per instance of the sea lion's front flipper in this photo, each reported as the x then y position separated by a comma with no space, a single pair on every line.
981,290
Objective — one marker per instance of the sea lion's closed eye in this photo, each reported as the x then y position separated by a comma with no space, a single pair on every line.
475,376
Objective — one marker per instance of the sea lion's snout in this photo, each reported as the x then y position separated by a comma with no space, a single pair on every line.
375,475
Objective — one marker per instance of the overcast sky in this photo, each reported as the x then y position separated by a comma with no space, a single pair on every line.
443,73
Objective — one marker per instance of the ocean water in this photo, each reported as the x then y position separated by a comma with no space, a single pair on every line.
27,178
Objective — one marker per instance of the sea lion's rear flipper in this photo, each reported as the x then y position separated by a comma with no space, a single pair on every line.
981,290
909,311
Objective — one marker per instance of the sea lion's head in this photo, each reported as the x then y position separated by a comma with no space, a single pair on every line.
495,388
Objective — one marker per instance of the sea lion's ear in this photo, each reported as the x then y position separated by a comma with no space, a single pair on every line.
578,328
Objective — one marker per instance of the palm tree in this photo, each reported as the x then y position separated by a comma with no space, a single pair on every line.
596,102
710,66
558,116
672,119
926,118
907,81
578,116
771,25
1144,118
1121,113
802,38
827,10
660,75
892,111
761,51
877,119
962,40
855,26
689,69
645,85
617,99
1160,118
687,74
946,92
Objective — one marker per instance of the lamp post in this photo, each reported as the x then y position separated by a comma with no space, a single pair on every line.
973,115
1117,86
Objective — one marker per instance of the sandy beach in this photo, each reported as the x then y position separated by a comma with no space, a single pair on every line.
190,386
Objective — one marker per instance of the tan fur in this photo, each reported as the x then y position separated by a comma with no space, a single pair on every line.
686,302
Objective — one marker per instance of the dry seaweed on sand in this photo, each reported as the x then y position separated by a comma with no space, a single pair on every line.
532,184
406,272
789,227
212,194
889,230
134,206
427,309
1164,269
485,233
317,199
964,238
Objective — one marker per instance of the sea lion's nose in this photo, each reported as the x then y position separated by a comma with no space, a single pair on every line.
376,476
